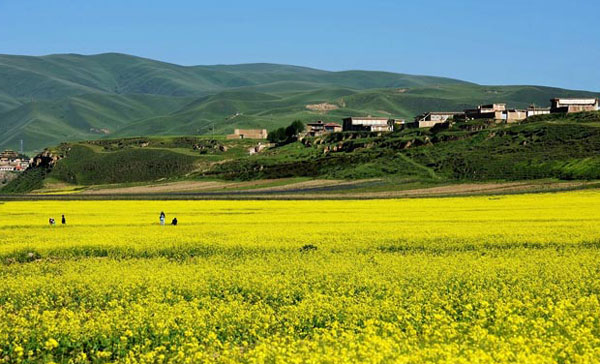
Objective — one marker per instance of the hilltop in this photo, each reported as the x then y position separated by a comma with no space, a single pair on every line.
556,147
50,99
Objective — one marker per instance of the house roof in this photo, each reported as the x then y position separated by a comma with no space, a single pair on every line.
250,131
333,125
446,112
367,118
576,101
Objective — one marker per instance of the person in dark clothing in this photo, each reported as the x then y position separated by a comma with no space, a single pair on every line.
63,220
174,221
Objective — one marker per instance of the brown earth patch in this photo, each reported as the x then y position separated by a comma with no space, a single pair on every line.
205,186
265,189
323,107
316,183
464,189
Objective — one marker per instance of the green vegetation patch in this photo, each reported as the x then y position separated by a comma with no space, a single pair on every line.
84,166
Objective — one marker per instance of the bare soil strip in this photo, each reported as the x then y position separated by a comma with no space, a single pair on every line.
215,186
187,186
304,190
308,185
461,190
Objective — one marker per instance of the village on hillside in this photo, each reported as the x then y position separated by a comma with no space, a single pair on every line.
497,112
12,162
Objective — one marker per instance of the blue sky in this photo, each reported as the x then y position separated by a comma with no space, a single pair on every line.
554,43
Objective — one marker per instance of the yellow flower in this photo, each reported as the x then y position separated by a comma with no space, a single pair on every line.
50,344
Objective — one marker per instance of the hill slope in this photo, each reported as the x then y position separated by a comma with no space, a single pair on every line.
50,99
57,76
556,147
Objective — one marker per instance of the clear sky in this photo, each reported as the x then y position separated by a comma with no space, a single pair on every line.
550,42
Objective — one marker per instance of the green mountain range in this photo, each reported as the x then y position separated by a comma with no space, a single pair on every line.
50,99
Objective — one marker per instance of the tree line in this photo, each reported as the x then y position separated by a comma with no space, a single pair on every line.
287,134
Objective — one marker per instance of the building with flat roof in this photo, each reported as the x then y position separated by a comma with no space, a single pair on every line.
491,111
563,105
315,129
248,134
373,124
320,128
533,110
333,127
429,119
514,115
9,154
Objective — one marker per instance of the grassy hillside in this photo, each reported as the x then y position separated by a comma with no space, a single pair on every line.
50,99
84,166
564,147
78,117
253,109
62,75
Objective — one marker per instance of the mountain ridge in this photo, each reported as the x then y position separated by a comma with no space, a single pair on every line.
49,99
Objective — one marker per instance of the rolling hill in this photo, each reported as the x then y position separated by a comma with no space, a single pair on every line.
555,146
50,99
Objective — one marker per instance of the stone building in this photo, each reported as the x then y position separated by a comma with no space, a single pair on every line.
319,128
533,110
514,115
248,134
315,129
491,111
429,119
373,124
333,127
561,105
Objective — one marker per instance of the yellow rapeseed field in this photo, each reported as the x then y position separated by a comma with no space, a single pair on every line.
500,279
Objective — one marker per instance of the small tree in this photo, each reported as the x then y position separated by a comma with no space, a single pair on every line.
276,136
287,134
294,129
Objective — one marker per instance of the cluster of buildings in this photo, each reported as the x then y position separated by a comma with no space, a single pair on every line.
497,112
500,113
11,161
373,124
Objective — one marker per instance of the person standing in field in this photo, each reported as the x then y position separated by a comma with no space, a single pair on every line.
63,220
162,218
174,222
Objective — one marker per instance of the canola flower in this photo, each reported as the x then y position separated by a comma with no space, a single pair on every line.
450,280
